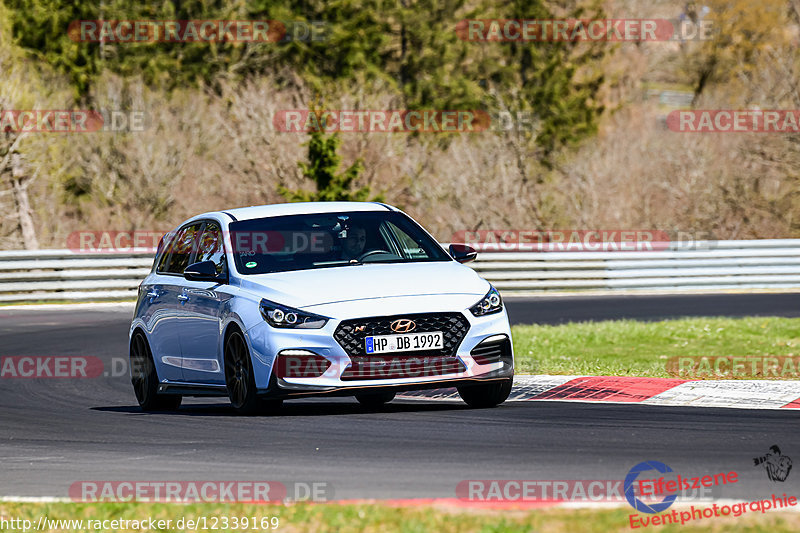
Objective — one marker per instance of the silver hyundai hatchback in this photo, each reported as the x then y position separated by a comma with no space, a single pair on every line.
262,304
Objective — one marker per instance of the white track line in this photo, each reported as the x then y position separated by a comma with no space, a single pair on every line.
740,394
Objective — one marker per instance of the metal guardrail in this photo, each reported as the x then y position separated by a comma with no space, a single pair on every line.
52,275
772,263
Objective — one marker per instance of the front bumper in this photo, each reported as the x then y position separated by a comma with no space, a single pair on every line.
463,367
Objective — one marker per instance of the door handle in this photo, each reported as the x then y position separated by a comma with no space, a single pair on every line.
183,298
153,294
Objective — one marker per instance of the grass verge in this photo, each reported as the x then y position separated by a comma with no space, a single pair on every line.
632,348
376,517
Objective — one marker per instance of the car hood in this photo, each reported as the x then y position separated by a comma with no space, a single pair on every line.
307,288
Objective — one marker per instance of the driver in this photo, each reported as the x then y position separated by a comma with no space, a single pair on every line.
355,242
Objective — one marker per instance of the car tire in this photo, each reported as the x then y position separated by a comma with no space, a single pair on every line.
239,379
488,395
375,399
144,378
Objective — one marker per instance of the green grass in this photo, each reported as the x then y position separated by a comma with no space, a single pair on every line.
631,348
379,518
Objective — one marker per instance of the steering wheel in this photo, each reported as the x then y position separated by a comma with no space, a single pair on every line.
361,257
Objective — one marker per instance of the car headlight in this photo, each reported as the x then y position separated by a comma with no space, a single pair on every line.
281,316
491,303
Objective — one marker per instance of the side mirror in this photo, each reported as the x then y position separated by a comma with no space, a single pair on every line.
463,253
203,271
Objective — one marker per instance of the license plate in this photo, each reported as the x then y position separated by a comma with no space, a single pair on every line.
405,342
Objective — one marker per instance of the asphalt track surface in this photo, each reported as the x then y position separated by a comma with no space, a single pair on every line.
55,432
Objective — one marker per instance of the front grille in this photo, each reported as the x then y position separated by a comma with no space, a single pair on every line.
454,327
491,351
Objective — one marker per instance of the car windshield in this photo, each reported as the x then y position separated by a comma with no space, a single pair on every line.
302,242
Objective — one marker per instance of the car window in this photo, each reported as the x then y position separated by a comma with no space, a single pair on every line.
182,248
163,252
409,248
300,242
211,247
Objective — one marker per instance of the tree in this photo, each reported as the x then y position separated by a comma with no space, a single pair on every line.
21,89
323,168
557,81
40,27
433,66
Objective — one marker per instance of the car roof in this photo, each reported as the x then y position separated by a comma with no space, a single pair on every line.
300,208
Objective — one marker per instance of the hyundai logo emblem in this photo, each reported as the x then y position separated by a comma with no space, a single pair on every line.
403,325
